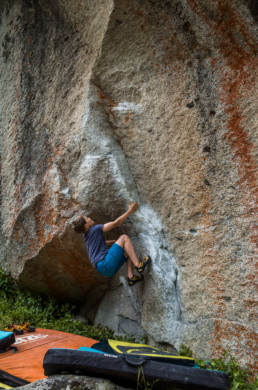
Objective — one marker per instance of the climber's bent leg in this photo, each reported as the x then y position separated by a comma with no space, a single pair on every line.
125,242
113,261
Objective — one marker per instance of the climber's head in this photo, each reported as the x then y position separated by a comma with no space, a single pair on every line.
81,224
88,224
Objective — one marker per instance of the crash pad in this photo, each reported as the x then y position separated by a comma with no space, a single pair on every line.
116,347
27,362
6,340
124,370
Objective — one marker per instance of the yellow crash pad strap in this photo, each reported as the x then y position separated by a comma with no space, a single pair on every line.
143,349
3,386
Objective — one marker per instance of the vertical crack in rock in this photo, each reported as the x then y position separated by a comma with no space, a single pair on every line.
105,157
131,293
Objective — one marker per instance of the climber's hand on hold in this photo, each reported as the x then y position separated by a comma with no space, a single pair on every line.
112,225
133,207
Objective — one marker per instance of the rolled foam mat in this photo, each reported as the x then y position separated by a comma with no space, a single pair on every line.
124,370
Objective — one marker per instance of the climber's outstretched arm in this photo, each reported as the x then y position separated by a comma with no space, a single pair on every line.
111,225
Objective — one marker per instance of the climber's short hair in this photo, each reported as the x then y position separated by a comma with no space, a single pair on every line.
78,224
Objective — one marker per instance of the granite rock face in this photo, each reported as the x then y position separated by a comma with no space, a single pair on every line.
153,101
72,382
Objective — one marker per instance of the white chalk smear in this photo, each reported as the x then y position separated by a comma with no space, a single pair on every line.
126,106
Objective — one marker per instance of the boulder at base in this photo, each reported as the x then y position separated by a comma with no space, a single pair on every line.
72,382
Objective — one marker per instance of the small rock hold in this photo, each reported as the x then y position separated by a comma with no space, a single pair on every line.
206,182
186,26
206,149
118,22
190,105
193,231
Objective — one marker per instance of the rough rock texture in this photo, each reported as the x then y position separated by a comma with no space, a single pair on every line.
72,382
149,100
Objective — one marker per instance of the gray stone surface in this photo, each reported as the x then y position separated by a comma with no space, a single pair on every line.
72,382
153,101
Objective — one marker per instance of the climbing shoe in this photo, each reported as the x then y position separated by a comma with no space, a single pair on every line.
27,328
134,279
20,329
143,264
16,329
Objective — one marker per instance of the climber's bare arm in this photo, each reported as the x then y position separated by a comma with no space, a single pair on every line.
112,225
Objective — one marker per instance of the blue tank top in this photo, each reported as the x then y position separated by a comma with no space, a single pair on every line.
95,244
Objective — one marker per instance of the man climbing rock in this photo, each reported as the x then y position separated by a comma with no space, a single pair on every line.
109,261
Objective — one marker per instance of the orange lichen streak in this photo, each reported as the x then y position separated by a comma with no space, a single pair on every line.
235,67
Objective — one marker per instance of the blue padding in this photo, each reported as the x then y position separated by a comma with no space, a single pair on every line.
4,334
89,350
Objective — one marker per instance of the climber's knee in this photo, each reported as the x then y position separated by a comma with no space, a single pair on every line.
122,240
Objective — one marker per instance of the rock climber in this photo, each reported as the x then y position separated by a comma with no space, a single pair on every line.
109,261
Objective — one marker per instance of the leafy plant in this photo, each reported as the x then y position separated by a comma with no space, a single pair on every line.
240,377
144,339
185,351
7,284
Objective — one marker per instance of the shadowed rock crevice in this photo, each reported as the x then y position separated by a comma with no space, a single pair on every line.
61,269
253,7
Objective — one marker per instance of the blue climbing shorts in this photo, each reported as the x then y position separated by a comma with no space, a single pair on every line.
113,261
